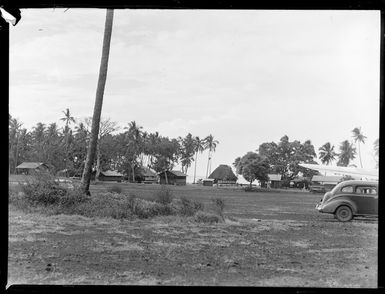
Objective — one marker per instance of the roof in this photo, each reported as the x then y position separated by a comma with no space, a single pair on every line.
111,173
177,173
31,165
223,172
358,182
333,179
274,177
146,172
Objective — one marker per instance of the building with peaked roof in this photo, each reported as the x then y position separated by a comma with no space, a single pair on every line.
324,183
110,175
274,180
172,177
148,176
30,168
223,174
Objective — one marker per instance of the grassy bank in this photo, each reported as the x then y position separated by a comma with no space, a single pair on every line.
44,195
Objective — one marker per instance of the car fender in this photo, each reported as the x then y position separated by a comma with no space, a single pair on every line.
335,203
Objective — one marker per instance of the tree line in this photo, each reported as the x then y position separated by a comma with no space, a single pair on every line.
127,151
283,157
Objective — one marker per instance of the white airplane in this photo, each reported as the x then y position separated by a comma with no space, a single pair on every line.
371,174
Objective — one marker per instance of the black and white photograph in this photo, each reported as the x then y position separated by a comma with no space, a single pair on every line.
193,147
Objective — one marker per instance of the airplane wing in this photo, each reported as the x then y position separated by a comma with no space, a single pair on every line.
342,170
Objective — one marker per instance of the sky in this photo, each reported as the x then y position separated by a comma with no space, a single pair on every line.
244,76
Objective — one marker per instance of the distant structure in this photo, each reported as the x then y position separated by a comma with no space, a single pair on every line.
174,177
208,182
148,176
31,168
223,174
274,181
324,183
111,176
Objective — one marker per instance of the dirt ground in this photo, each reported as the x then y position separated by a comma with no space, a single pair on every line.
271,239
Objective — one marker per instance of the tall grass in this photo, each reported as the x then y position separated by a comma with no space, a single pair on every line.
46,196
219,206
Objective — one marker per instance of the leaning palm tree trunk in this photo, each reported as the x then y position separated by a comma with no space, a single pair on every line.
86,178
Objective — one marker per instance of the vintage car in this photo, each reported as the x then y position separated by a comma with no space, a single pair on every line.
349,199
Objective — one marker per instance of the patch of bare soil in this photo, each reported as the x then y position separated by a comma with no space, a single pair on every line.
310,251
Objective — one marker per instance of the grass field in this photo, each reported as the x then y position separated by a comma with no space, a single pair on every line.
269,239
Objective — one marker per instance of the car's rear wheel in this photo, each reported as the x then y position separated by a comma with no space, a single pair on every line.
344,213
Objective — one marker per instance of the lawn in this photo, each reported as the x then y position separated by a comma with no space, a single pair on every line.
269,239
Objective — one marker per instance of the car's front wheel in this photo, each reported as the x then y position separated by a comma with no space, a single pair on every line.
344,213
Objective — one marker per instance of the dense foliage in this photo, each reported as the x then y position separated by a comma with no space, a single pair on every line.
64,149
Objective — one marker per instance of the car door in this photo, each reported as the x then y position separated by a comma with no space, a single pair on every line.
366,199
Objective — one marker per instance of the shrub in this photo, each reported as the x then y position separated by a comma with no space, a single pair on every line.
164,195
115,189
18,200
73,198
219,206
206,217
43,190
189,207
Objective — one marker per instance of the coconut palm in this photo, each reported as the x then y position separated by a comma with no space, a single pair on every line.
347,153
14,135
134,145
327,154
210,144
68,119
198,147
86,178
376,150
360,138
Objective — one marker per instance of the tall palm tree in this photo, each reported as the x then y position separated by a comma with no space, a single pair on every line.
14,135
86,177
198,147
210,144
347,153
134,146
68,119
327,154
376,150
360,138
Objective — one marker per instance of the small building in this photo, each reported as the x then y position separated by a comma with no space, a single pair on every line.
148,176
274,181
324,183
31,168
208,182
174,177
223,174
300,183
110,175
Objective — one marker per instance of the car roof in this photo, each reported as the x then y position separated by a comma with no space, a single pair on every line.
358,182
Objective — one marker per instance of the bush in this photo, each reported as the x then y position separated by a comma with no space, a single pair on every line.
164,195
115,189
206,217
43,190
219,206
189,207
103,205
18,200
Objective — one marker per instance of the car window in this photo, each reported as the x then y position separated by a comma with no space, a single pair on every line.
347,189
366,190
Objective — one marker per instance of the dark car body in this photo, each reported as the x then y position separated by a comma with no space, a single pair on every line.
349,199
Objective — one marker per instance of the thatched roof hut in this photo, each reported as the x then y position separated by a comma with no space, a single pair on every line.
223,174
